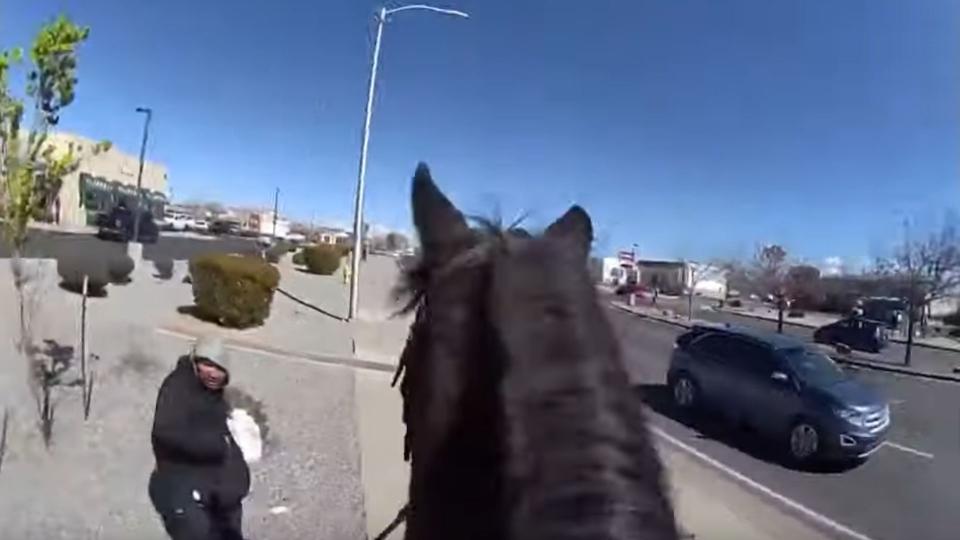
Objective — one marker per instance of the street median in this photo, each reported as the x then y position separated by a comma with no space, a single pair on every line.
852,359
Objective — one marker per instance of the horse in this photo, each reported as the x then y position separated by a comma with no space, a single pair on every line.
520,419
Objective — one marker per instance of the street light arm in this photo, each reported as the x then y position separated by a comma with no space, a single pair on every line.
428,8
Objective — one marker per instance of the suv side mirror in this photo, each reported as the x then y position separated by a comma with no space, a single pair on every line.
780,377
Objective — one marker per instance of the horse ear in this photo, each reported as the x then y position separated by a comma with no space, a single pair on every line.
441,227
575,228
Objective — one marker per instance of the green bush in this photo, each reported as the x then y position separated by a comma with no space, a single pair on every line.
164,268
274,254
298,258
322,259
234,291
953,319
119,268
72,268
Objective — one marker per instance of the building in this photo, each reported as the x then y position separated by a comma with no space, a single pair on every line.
613,271
266,224
103,180
331,236
677,277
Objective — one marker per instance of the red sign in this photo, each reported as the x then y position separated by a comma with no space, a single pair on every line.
626,256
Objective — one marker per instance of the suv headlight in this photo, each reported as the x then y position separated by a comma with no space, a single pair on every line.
855,418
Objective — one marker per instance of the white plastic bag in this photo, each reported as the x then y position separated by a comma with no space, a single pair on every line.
246,433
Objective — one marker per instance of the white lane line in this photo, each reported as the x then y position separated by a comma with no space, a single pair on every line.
897,401
907,449
811,514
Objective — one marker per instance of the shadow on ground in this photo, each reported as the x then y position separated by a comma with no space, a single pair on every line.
741,438
304,303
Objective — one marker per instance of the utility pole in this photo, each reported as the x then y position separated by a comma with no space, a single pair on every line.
276,201
143,151
358,232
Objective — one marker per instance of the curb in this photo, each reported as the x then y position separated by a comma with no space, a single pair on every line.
626,309
896,369
840,359
241,345
786,322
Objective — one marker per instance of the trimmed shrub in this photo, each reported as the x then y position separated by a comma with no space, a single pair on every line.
274,254
119,268
164,268
72,269
953,319
298,258
231,290
322,259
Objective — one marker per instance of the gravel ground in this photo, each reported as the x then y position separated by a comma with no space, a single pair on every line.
91,483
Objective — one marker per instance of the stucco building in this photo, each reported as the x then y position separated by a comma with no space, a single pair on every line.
102,181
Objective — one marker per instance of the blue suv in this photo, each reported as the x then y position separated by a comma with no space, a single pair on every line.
780,387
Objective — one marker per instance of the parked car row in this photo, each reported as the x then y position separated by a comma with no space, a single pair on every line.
118,224
857,333
783,389
175,221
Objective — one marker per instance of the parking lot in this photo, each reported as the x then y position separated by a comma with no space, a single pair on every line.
171,246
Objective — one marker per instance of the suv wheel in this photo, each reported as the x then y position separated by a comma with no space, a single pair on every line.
686,393
804,441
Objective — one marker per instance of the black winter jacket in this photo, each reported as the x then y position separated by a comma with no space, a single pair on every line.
192,445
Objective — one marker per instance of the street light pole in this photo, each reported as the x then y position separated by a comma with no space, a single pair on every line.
276,201
358,232
143,151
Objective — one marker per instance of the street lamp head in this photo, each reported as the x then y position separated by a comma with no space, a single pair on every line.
445,11
144,110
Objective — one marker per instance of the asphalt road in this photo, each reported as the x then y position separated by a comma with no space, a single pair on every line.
909,489
52,245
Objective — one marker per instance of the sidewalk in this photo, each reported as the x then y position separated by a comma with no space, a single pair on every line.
708,504
932,368
711,506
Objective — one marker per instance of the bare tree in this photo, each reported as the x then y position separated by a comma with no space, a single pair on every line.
697,273
769,272
397,241
924,271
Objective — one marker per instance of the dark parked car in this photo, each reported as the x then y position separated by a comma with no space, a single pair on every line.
889,311
221,226
631,288
118,225
855,332
781,388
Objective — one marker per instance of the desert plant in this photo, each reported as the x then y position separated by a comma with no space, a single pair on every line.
119,268
299,258
164,268
274,254
72,269
323,260
231,290
952,319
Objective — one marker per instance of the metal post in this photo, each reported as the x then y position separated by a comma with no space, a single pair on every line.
276,200
143,151
358,206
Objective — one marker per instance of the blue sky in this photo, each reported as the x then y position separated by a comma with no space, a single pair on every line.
694,128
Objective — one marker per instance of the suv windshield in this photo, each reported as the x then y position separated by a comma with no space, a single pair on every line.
813,367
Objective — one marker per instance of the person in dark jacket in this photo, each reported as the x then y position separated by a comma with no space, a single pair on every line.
201,477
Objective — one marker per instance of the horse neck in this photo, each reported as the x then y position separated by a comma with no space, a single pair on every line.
579,462
457,493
